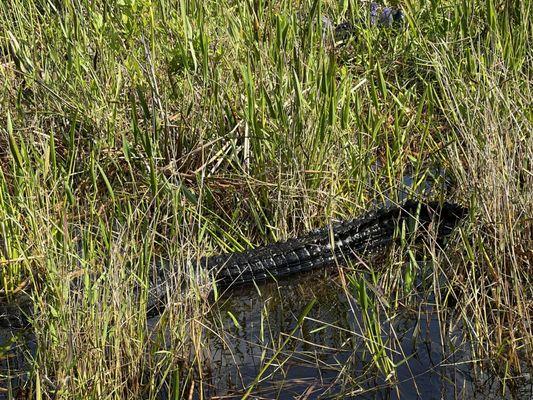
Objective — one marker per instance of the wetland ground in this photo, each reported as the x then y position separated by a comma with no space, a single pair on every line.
140,130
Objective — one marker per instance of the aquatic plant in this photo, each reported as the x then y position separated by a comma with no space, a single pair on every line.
139,133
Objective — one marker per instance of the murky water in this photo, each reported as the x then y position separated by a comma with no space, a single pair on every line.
328,356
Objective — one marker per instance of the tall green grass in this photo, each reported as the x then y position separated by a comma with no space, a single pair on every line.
142,129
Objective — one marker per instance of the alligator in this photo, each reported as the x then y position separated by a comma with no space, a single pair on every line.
333,244
326,246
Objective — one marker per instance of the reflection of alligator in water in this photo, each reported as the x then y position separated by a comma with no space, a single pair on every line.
324,246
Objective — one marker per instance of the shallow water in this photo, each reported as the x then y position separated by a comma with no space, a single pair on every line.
328,350
326,357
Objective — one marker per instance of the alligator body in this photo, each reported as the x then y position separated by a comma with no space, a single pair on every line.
338,242
323,247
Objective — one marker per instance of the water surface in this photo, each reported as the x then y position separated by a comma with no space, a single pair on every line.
328,356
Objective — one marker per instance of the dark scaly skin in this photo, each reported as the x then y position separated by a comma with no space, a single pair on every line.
320,248
324,246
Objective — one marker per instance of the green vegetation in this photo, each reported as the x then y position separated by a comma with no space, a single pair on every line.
137,130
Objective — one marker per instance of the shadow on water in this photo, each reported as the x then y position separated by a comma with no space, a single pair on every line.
15,345
327,355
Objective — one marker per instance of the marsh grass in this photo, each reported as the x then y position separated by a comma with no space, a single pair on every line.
136,130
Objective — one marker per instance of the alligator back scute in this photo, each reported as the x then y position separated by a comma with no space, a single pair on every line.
339,241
